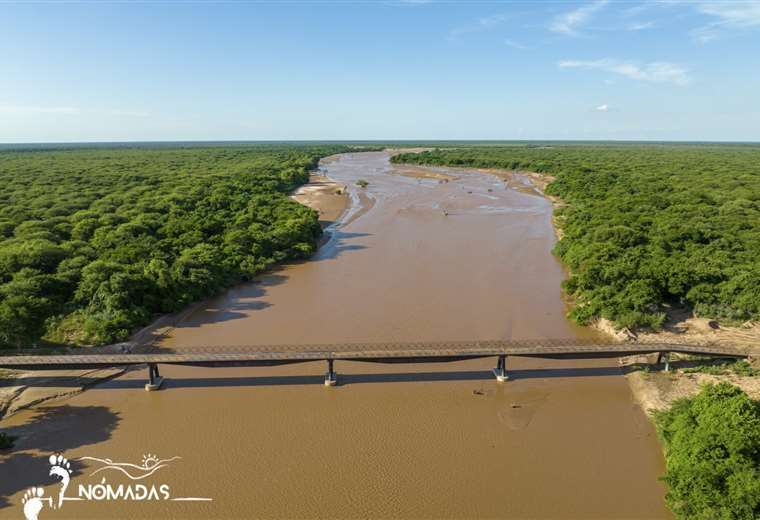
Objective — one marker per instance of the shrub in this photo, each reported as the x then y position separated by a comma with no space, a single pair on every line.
6,441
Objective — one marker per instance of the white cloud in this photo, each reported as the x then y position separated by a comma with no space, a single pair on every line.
636,9
736,14
640,26
568,23
481,24
654,72
729,15
723,16
515,44
26,109
490,21
603,108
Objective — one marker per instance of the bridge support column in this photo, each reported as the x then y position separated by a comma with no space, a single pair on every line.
331,378
664,357
501,369
154,378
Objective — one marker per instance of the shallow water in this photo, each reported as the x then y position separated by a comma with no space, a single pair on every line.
415,259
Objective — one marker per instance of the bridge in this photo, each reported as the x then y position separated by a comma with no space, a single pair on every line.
427,352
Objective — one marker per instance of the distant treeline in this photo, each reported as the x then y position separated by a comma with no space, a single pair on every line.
94,243
646,226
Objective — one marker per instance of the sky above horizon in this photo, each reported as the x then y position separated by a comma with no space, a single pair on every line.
416,69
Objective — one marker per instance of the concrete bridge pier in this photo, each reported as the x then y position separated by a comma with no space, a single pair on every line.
501,369
331,378
664,357
155,380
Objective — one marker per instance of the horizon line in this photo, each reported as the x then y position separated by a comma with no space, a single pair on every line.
380,141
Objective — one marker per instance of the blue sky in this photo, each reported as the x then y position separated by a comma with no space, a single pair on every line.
175,70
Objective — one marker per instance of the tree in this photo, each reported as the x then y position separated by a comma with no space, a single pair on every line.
25,304
95,242
712,451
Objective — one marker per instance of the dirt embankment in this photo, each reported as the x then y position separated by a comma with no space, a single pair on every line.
22,390
657,390
322,194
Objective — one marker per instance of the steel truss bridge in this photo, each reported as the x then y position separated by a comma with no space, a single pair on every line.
421,352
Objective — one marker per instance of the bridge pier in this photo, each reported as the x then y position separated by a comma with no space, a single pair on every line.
155,380
664,357
501,369
331,378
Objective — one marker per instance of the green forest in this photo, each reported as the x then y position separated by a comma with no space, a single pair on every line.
712,455
645,227
96,242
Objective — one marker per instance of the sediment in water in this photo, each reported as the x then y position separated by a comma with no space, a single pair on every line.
392,441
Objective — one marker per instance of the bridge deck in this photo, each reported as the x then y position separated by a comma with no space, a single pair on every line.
378,353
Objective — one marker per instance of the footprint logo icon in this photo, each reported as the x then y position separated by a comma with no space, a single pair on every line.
61,468
33,502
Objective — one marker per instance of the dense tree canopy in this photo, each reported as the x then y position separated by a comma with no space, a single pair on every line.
646,226
712,452
96,242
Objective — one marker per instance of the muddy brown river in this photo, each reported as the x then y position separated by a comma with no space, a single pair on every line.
413,259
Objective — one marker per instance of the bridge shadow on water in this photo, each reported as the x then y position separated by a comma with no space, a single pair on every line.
344,378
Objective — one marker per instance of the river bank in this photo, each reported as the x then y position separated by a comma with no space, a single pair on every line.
680,325
325,196
444,440
656,391
652,391
20,390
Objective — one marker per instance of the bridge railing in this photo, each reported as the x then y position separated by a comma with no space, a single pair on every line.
387,352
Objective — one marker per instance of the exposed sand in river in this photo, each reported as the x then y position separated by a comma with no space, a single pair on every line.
419,172
328,197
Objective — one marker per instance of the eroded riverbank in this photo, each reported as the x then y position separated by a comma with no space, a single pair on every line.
414,259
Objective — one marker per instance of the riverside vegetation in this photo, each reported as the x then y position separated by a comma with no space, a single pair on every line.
96,242
645,227
712,455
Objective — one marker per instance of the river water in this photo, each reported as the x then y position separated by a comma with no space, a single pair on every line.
414,259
